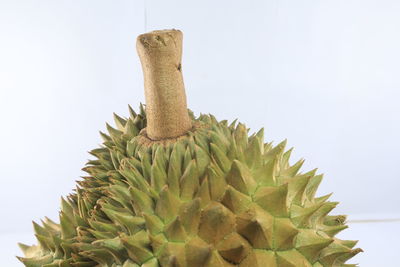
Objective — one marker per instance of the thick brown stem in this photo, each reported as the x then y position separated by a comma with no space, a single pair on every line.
160,53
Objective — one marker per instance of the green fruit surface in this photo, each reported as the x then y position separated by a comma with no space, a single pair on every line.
216,197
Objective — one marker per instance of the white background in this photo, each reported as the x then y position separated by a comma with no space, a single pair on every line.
324,74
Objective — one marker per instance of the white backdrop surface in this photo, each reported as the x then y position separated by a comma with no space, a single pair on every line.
323,74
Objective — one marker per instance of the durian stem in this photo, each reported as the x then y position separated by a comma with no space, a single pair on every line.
160,53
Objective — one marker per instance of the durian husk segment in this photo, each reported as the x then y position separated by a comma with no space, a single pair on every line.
215,198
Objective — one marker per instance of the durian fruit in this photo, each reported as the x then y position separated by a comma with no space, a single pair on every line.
170,189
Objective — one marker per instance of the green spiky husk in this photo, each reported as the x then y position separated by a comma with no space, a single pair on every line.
216,197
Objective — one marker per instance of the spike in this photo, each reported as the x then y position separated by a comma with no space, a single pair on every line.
292,170
253,152
114,244
142,200
347,243
168,204
132,114
187,158
285,159
114,133
256,226
220,141
333,230
146,165
160,157
39,230
216,222
197,252
142,109
56,263
296,189
349,255
121,194
204,192
157,242
67,208
202,160
284,234
45,242
325,208
134,177
175,167
104,227
276,152
259,258
135,251
158,177
175,231
153,223
66,248
216,260
310,244
142,237
115,158
235,153
150,263
99,235
313,186
233,248
241,179
120,122
190,216
260,135
67,226
202,141
240,136
266,173
105,137
129,263
301,217
173,255
217,183
335,252
291,258
100,255
131,130
132,223
37,261
232,125
220,158
189,181
235,201
273,199
323,198
29,251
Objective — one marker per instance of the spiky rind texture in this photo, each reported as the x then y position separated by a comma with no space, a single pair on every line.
215,198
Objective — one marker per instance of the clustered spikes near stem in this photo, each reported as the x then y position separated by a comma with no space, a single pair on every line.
215,197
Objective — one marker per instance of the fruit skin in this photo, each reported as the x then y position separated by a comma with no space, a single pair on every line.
214,197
